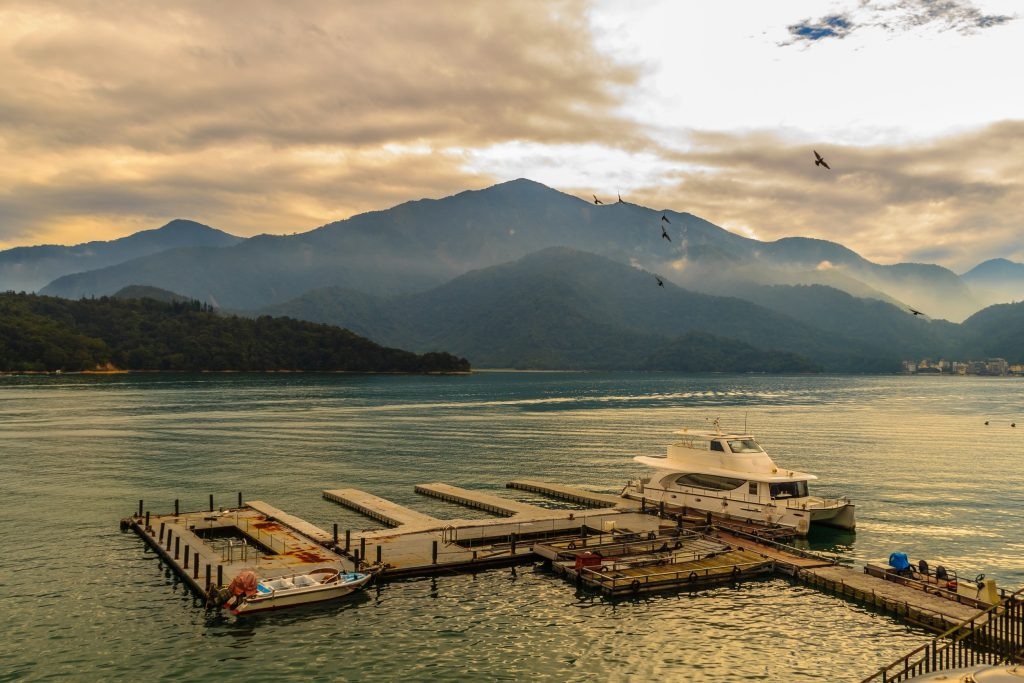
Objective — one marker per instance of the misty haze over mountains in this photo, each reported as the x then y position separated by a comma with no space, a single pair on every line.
522,275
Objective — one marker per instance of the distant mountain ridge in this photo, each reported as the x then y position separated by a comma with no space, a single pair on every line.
561,309
421,244
31,268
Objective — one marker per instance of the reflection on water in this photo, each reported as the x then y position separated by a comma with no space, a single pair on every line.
83,600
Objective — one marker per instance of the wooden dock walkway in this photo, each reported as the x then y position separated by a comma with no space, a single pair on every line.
302,526
483,501
381,509
573,494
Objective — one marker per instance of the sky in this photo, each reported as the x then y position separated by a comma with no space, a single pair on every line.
273,117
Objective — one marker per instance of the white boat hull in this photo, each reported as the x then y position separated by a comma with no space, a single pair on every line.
305,595
839,513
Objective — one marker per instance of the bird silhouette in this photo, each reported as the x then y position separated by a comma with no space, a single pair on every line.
597,201
665,219
620,199
660,283
915,311
665,234
1013,424
986,423
819,161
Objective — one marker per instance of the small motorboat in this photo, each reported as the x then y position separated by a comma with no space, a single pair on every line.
249,595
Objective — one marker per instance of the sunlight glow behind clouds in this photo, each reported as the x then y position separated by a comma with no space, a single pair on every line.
280,118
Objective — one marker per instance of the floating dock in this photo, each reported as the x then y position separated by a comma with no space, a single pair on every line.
615,547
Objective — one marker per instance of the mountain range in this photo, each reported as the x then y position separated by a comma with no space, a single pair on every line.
522,275
31,268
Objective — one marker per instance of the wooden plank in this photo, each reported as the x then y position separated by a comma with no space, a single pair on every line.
381,509
483,501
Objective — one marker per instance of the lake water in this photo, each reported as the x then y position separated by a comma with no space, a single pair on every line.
83,601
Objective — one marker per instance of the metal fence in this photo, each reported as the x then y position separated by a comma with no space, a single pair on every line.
994,636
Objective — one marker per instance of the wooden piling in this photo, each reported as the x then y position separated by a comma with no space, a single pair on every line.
140,507
186,557
195,568
175,507
211,502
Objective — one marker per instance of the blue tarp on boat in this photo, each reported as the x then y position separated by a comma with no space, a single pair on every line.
899,561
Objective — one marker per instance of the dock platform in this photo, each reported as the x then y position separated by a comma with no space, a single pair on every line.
573,494
380,509
481,501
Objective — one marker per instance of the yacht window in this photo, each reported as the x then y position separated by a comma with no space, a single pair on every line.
717,446
709,482
744,446
752,488
789,489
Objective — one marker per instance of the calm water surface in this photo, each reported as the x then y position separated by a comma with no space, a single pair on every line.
83,601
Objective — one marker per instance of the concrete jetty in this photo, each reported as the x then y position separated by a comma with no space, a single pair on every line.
381,509
480,500
573,494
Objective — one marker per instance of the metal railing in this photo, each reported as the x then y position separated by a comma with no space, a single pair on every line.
792,550
993,636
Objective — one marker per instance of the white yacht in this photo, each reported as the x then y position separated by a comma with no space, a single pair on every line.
732,476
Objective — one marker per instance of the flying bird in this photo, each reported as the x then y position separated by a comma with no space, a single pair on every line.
660,283
665,234
665,219
597,201
819,161
915,311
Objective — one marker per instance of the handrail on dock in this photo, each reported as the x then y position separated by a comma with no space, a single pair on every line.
793,550
993,636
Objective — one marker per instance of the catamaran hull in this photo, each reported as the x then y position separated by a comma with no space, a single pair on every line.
799,519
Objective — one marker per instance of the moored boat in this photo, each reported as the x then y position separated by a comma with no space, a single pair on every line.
730,475
251,595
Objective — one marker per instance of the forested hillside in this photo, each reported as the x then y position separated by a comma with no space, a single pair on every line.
39,333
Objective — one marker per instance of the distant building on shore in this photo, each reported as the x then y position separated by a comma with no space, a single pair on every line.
995,367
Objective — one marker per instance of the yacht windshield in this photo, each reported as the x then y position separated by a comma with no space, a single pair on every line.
789,489
744,446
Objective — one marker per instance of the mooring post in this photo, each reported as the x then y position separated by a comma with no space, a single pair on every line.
239,499
661,508
679,522
175,507
220,575
707,519
186,556
335,533
148,528
195,567
362,548
433,553
378,553
140,507
169,534
207,577
177,546
512,544
348,539
161,532
211,502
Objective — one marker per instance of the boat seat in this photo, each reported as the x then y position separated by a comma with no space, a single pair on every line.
303,581
281,584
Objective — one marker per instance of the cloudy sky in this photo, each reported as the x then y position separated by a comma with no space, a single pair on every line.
278,117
